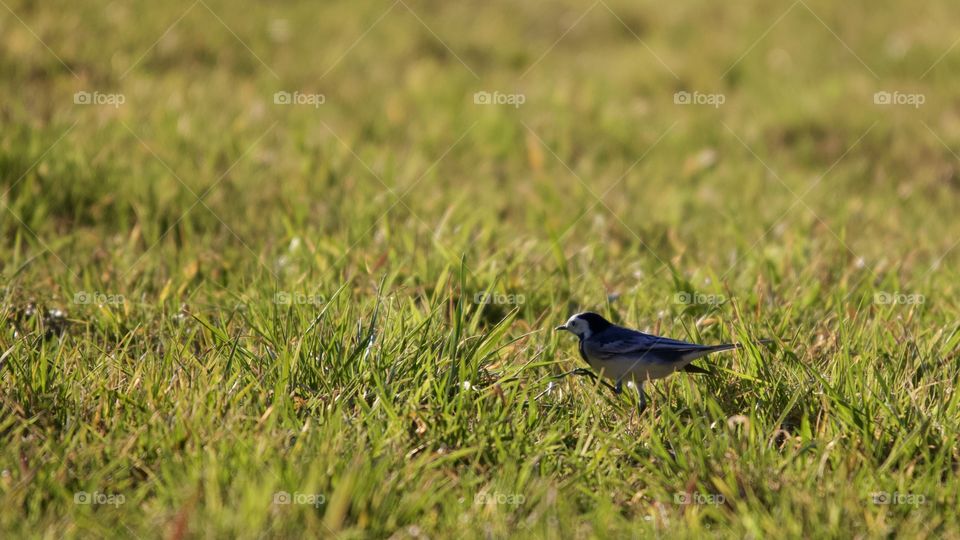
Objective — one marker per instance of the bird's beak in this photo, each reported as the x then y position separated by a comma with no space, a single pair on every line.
561,327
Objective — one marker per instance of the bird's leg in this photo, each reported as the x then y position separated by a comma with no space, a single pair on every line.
643,398
578,371
586,372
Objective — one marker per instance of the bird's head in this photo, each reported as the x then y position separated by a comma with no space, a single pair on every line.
583,325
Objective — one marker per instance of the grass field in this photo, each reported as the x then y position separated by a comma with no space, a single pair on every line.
292,269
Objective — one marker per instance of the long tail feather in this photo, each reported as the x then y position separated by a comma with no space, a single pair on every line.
719,348
690,368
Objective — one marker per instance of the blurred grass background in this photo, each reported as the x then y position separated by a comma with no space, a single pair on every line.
212,298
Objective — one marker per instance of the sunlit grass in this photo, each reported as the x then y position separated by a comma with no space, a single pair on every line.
228,317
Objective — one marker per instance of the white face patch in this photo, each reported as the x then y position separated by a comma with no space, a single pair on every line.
579,326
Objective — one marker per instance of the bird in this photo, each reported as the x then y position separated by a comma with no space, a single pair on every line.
624,355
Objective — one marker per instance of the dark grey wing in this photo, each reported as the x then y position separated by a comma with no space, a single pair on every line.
629,344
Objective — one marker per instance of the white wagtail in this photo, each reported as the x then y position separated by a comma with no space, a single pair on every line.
624,355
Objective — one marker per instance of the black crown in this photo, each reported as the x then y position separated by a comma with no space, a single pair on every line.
596,322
